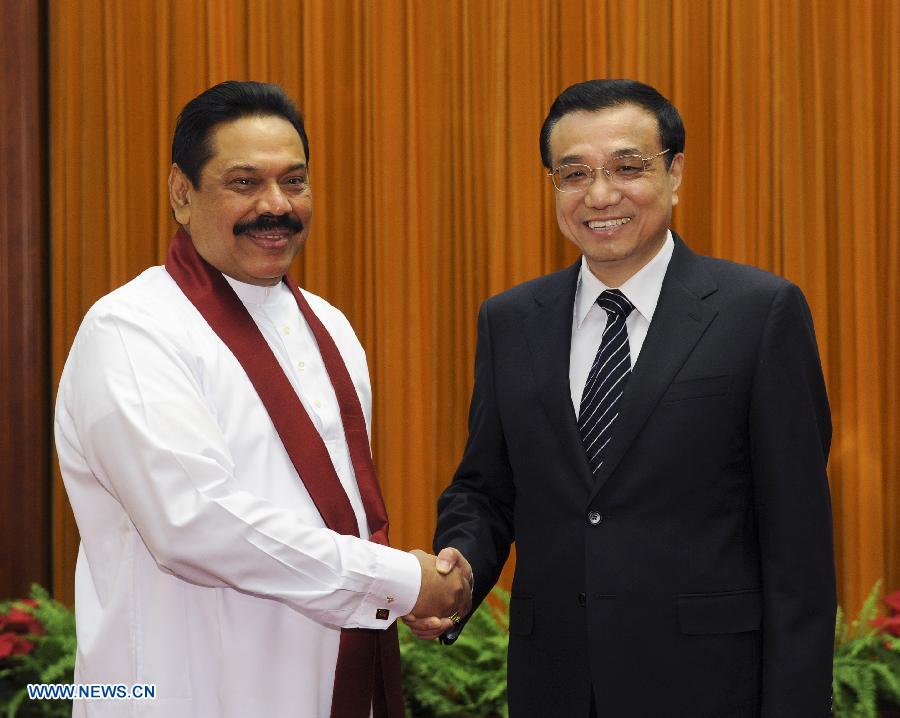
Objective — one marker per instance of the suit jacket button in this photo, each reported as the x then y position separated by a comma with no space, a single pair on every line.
594,518
582,599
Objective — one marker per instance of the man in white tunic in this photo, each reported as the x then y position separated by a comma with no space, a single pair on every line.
205,566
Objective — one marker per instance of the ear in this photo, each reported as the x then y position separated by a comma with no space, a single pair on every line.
675,173
180,188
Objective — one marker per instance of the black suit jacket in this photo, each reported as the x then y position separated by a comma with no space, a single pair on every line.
706,589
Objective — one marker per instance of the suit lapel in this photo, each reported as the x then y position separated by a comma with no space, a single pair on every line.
548,331
679,321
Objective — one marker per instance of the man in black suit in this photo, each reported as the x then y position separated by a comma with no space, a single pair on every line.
651,428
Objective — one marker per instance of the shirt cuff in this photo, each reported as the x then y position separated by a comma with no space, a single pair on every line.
394,590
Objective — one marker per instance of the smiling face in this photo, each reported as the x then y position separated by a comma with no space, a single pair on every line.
618,228
251,213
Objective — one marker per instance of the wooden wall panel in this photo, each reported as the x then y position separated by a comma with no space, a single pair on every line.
24,320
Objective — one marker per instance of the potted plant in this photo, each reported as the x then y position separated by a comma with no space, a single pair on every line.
467,681
37,645
866,678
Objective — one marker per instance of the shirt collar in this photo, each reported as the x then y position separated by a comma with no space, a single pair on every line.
642,289
255,294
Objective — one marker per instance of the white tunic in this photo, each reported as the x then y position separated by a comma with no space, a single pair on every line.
204,567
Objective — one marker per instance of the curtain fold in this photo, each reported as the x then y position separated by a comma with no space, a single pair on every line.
429,192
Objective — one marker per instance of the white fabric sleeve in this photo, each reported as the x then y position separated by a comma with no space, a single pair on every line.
152,441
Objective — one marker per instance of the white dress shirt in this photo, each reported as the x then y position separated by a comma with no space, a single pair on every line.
204,566
589,319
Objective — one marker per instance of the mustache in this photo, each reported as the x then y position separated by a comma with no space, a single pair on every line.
267,222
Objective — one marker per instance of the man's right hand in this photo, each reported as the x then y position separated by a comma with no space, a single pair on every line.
442,594
450,563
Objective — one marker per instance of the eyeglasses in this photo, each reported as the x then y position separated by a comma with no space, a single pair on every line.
619,170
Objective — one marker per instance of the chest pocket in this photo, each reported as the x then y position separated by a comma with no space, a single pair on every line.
703,388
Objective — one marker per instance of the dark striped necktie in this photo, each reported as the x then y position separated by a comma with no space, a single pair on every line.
606,379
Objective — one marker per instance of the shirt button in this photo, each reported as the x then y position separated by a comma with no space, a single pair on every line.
285,329
318,404
582,599
301,365
594,518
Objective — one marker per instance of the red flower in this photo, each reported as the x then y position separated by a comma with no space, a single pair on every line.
11,644
888,624
17,622
21,622
892,601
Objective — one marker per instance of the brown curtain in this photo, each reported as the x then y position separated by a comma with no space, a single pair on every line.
430,195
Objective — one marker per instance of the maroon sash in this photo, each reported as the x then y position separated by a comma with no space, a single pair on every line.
368,664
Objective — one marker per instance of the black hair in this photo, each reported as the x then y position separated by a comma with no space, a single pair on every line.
225,102
596,95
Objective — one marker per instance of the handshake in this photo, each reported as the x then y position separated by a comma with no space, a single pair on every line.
445,597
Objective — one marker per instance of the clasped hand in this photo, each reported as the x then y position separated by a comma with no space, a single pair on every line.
446,590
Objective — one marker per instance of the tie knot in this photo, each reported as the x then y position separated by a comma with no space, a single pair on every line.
612,301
